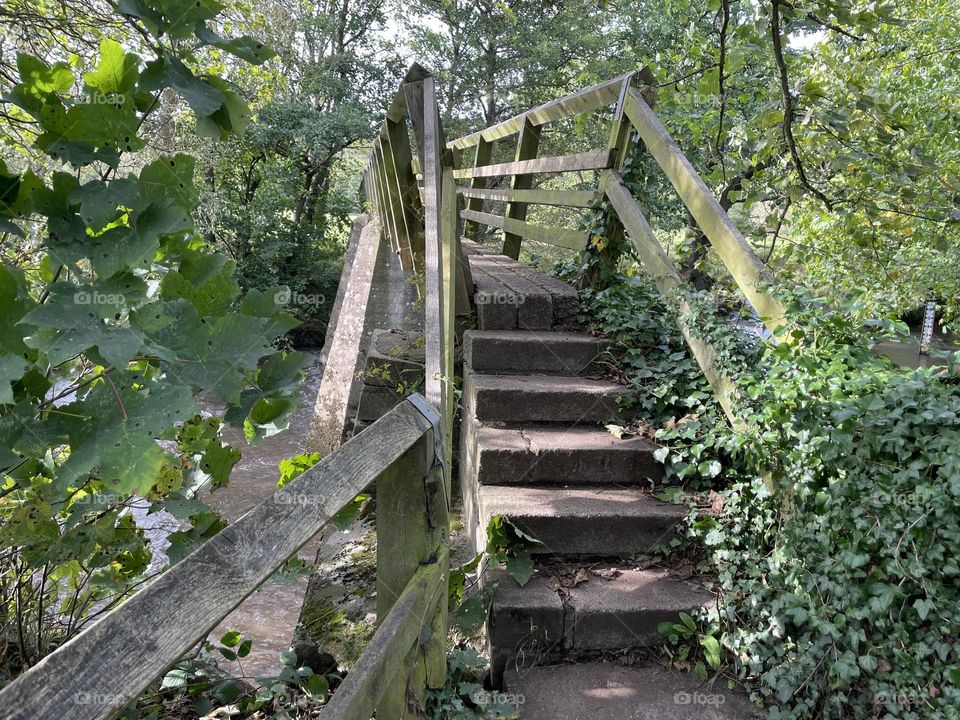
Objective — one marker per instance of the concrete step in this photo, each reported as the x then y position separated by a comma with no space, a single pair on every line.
574,456
587,520
604,691
550,353
565,611
509,295
542,398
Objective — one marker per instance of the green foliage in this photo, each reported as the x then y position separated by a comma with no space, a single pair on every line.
842,583
670,395
463,696
694,646
116,316
838,586
198,685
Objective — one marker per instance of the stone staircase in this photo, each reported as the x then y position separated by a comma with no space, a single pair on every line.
534,449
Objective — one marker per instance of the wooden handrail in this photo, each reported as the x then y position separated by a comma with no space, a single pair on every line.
548,234
590,160
562,198
665,276
104,668
591,98
748,270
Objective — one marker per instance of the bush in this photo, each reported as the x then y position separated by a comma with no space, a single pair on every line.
839,587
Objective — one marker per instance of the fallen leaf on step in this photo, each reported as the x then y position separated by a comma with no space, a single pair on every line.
607,573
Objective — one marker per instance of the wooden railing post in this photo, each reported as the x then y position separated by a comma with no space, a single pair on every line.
751,275
410,533
402,224
399,143
483,157
528,143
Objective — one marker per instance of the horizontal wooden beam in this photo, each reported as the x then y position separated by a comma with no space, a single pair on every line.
110,663
549,234
590,160
591,98
751,275
658,264
564,198
388,650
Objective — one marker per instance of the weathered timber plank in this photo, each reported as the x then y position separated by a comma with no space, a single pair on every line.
110,663
751,275
562,198
590,160
668,282
368,680
426,126
391,206
591,98
549,234
528,143
332,404
407,182
484,153
395,190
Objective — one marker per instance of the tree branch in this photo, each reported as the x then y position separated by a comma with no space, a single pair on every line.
788,109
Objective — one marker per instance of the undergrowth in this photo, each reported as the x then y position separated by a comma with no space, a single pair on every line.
835,529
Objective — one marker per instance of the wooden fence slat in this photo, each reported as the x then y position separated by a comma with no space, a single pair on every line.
402,222
383,203
342,351
549,234
590,160
591,98
426,124
363,688
561,198
656,261
484,153
409,193
528,143
101,670
389,211
749,272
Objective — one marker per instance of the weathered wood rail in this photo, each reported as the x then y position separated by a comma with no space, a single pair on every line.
103,669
